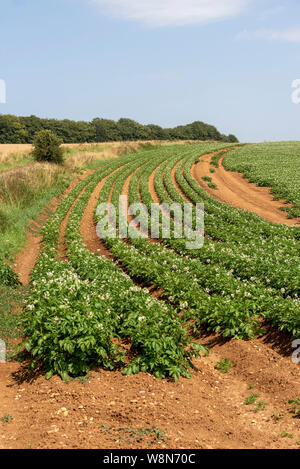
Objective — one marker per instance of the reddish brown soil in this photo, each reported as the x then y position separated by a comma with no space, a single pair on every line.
27,257
235,190
62,248
176,185
207,411
151,187
24,264
88,228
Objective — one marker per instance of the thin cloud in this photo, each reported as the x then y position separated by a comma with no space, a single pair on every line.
173,12
286,35
267,14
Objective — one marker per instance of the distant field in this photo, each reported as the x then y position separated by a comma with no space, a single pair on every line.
13,156
16,155
275,165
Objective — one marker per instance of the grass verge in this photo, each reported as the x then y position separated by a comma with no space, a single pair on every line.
11,301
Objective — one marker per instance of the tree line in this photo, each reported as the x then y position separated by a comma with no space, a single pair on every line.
14,129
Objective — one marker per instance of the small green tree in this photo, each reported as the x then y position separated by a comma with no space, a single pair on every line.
47,147
232,138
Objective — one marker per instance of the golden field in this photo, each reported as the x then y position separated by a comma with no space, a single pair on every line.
77,154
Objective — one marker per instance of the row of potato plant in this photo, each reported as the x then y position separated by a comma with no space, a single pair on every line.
213,277
77,312
261,299
248,260
216,312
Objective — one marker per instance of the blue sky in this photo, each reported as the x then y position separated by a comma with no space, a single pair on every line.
230,63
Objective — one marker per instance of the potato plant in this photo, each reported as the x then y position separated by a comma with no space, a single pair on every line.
89,310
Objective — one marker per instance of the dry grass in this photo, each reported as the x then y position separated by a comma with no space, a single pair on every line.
109,149
23,195
77,155
26,183
14,155
9,149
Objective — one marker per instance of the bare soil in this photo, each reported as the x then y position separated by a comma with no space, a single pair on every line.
207,411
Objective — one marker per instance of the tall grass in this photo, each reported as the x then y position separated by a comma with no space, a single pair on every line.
11,301
14,160
22,197
13,156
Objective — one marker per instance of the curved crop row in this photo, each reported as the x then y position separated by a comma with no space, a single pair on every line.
87,312
252,260
151,326
248,300
210,252
255,259
78,313
272,165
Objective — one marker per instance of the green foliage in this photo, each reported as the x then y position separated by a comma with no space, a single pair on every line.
131,130
216,298
251,399
136,435
274,165
23,130
260,405
227,286
7,276
225,365
216,159
23,197
106,130
6,418
70,328
12,129
11,301
297,406
277,416
232,138
47,147
199,131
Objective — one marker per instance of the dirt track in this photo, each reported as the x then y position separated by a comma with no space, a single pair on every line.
207,411
235,190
